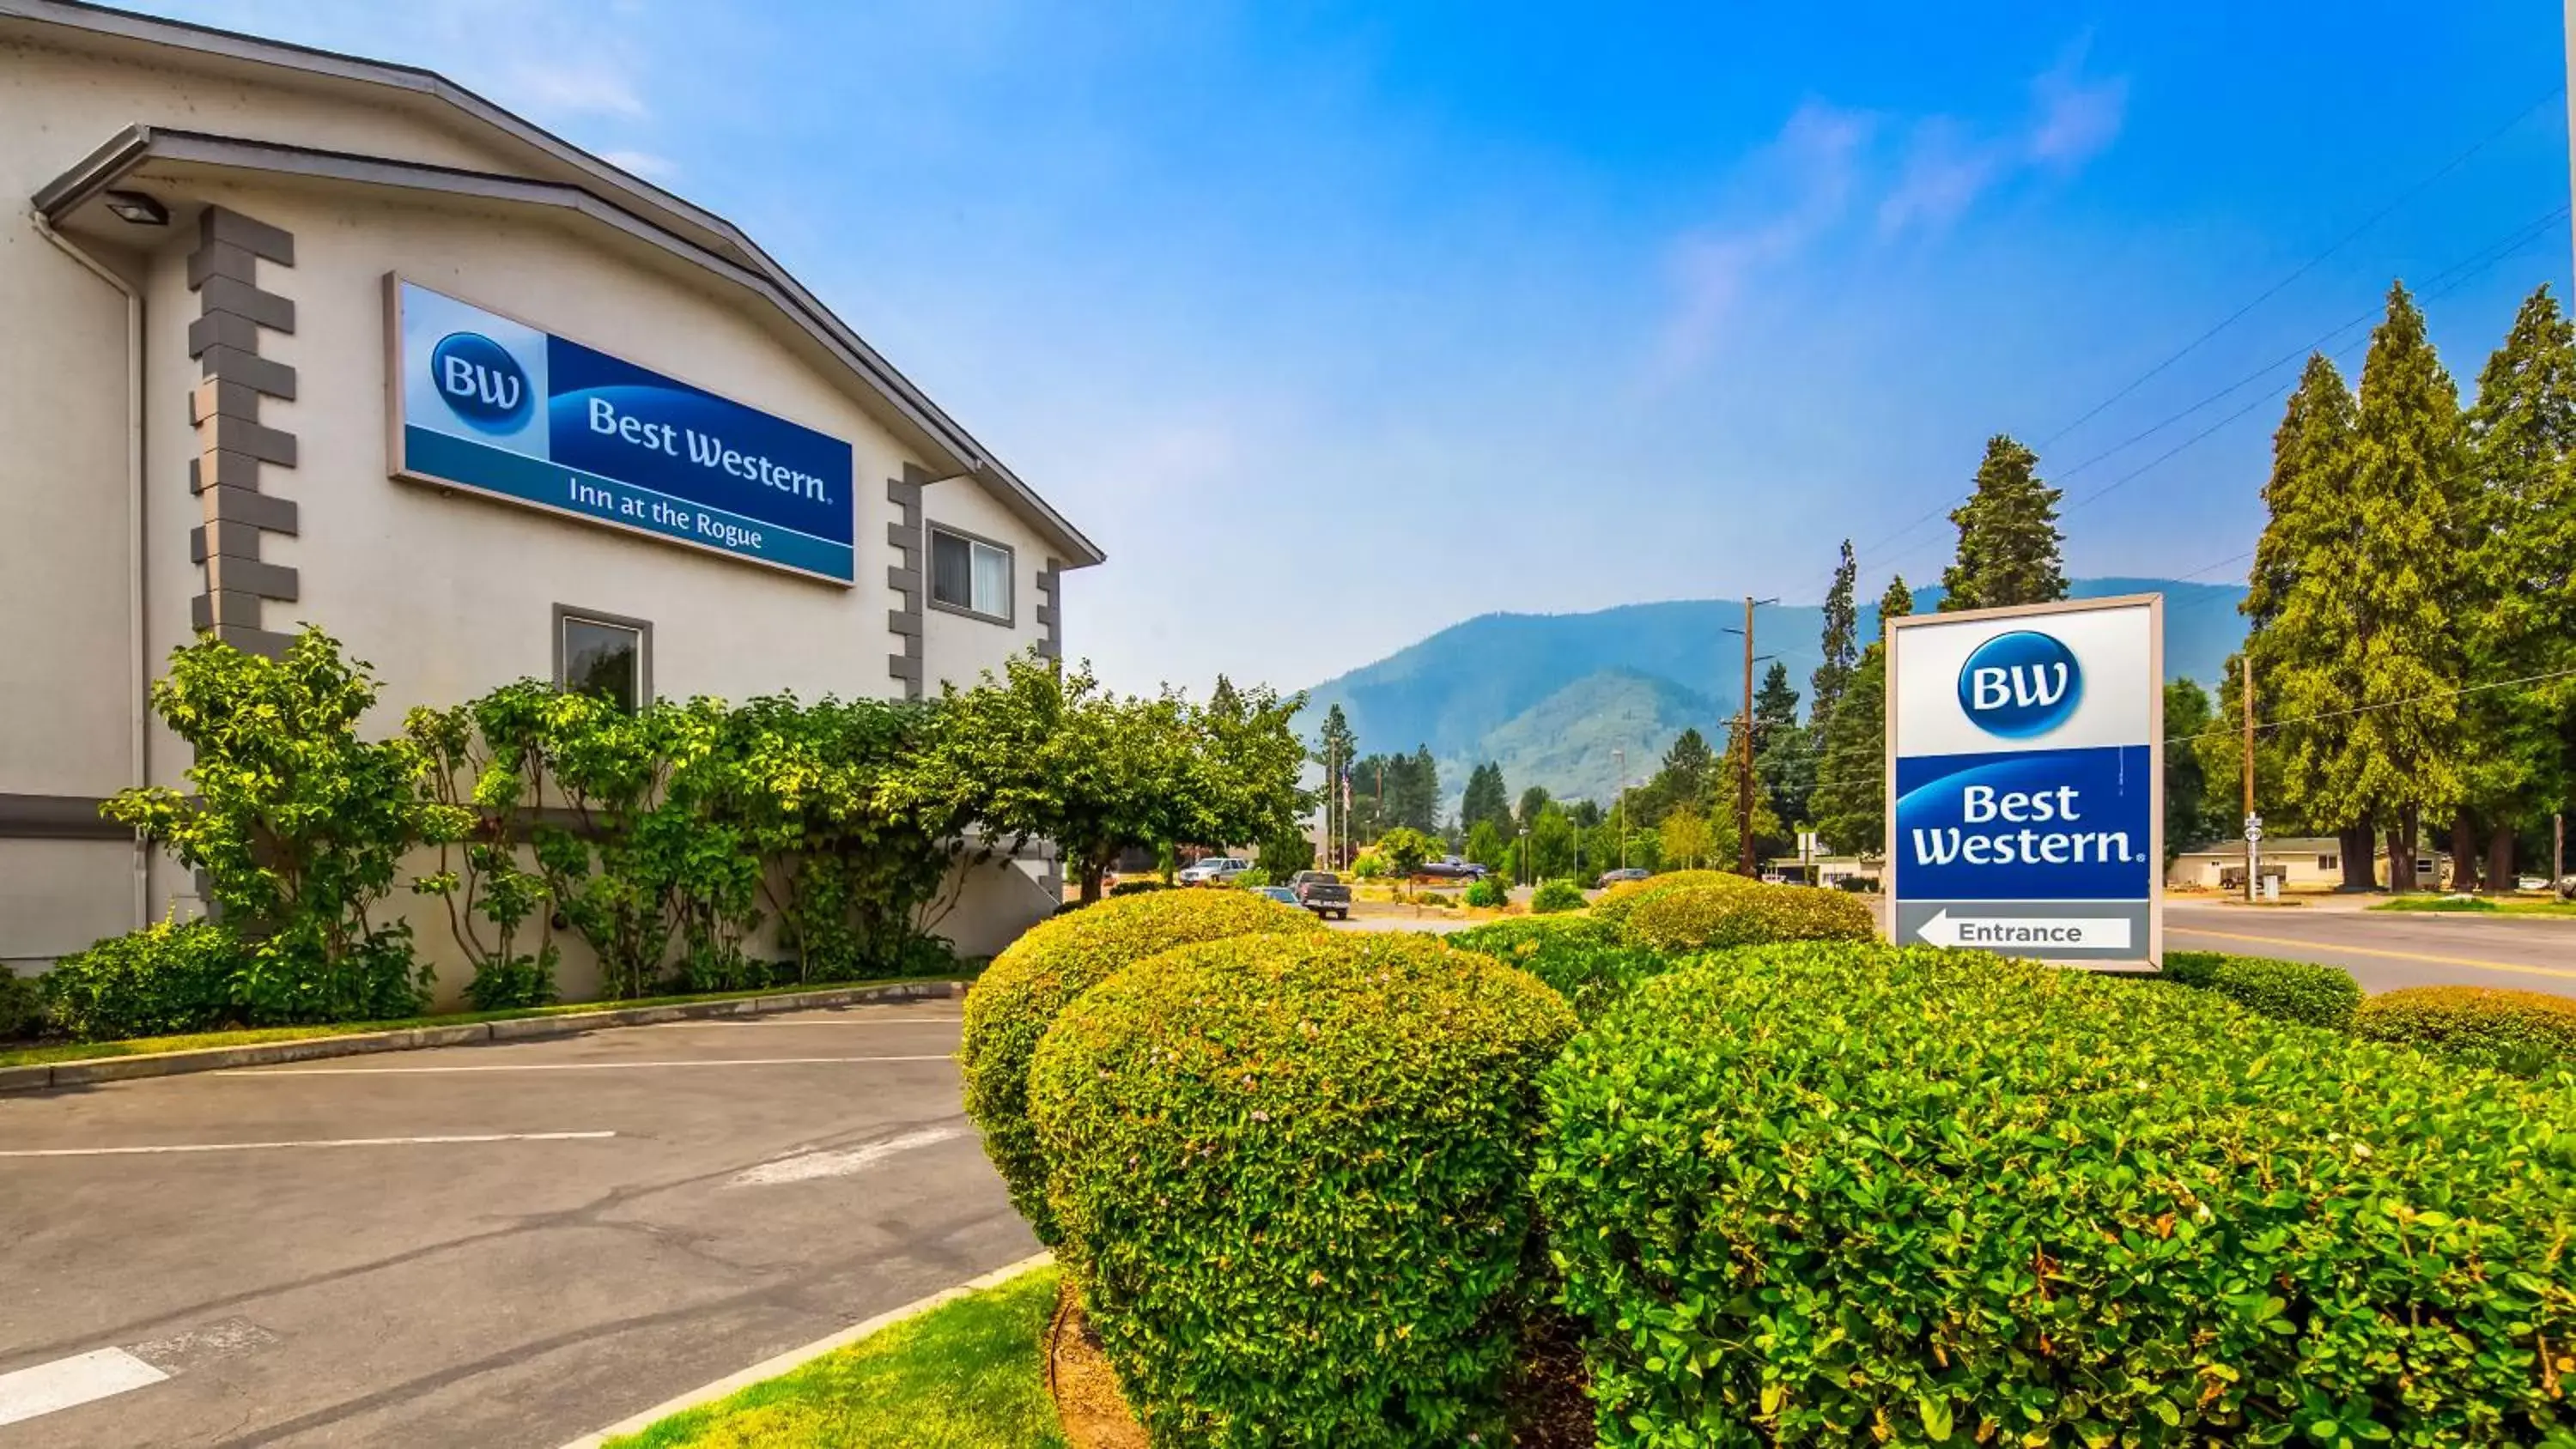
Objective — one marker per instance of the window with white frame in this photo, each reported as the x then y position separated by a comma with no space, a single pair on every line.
970,575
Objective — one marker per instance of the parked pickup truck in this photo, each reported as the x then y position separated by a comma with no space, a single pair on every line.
1322,892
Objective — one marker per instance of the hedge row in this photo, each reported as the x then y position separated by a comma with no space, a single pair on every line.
2299,991
2526,1033
1019,996
1291,1174
1619,900
1580,956
1703,917
1840,1193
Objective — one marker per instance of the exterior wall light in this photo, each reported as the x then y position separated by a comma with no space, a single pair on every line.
138,208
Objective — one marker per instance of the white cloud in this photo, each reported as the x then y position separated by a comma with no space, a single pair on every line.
2077,119
1810,168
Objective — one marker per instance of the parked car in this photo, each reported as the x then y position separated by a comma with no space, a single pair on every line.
1282,894
1322,892
1451,867
1610,878
1214,870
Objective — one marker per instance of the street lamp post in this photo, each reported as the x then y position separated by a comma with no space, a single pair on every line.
1621,756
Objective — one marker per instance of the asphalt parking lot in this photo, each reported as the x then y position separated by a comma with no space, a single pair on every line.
494,1246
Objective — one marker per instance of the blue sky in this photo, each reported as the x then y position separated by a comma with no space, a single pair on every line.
1335,324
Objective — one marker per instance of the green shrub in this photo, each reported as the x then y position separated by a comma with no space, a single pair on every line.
1292,1176
22,1006
2299,991
172,976
2527,1033
1831,1194
1693,918
1249,879
1555,896
1137,887
1579,956
1018,996
1619,900
1488,893
1370,866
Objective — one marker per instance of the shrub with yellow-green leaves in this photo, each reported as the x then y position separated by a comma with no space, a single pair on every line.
1697,918
1017,998
1291,1174
1620,900
2526,1033
1833,1194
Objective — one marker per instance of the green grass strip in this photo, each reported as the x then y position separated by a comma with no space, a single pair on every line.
2478,905
967,1375
82,1051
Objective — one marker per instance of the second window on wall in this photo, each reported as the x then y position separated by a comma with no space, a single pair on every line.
969,574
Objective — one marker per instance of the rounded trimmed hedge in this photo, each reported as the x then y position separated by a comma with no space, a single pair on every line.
1292,1176
1619,900
1830,1194
1579,956
1556,896
2525,1033
1017,998
165,979
1695,918
2300,991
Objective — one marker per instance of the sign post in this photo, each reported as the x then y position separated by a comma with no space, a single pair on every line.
2025,780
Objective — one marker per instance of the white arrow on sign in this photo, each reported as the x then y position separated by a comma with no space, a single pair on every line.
2107,933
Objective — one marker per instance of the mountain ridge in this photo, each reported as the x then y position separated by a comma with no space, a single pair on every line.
1633,676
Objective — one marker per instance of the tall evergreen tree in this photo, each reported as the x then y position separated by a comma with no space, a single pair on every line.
2402,659
1896,603
1533,800
1486,802
1840,645
2009,545
1784,760
2299,626
1849,803
1419,804
2520,518
1338,748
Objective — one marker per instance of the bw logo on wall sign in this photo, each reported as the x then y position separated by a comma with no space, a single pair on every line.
2020,685
481,382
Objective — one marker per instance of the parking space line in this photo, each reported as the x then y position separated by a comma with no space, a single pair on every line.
809,1166
444,1141
70,1382
269,1073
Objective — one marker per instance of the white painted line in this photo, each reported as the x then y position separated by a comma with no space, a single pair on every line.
770,1368
807,1166
324,1142
255,1073
68,1382
773,1021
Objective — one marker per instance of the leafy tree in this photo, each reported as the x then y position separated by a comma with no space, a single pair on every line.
1406,850
1285,855
1586,813
1840,646
1533,800
296,826
2188,807
1684,837
2009,544
1487,802
1784,777
2519,515
1487,845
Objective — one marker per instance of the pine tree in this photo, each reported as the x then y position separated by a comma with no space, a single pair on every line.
1840,645
1896,603
2299,628
1338,747
2520,515
2009,544
1849,805
1784,760
1486,802
2402,659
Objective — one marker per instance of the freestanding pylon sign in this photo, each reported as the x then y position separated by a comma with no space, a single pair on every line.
2025,780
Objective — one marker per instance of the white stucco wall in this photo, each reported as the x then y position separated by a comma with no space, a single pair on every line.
445,594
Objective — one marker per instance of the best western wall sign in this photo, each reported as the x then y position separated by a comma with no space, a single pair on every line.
484,402
2026,779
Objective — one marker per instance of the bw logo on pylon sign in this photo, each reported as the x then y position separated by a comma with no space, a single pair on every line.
2020,684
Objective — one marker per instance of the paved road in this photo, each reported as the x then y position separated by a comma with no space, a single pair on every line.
723,1191
2387,949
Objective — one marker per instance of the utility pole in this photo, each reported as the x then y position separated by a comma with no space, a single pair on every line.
2253,822
2557,850
1744,767
1621,756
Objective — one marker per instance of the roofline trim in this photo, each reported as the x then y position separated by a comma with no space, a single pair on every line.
101,20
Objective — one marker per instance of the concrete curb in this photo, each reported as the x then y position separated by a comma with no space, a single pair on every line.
526,1028
794,1358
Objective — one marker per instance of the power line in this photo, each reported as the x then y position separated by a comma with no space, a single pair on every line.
2307,266
2385,704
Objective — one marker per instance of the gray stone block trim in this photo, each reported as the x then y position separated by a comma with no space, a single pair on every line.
911,566
1050,613
234,448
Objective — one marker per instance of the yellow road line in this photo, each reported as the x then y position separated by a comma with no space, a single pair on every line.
2561,972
